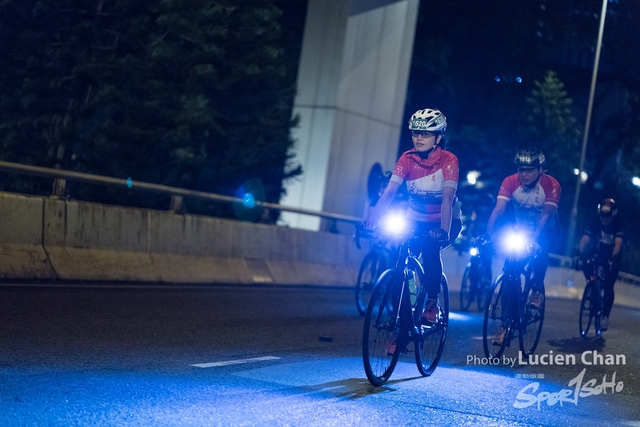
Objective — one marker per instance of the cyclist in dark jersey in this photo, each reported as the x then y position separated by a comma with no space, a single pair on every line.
431,177
535,197
604,236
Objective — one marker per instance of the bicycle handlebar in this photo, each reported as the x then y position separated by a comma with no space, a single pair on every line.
360,231
363,232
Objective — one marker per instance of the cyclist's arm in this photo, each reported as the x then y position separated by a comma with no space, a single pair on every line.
547,212
498,211
448,193
617,247
383,203
583,246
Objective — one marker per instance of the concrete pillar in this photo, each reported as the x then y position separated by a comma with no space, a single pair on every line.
352,82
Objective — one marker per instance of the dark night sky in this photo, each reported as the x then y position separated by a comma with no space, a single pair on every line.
507,39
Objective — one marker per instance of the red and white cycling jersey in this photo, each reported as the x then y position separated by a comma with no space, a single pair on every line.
425,180
528,202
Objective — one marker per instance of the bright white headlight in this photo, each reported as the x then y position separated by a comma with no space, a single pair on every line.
516,242
394,223
473,251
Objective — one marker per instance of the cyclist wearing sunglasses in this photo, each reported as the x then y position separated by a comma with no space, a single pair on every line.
604,236
431,177
535,197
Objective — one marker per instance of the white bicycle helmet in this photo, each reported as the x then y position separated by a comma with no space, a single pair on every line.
428,119
529,157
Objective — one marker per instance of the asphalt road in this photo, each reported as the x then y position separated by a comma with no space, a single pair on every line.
275,356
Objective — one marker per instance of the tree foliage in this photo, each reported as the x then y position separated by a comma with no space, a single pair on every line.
485,65
195,94
553,127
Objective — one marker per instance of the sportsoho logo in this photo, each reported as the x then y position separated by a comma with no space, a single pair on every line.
577,388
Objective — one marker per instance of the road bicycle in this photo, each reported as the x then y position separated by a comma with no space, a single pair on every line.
380,257
374,263
392,320
510,306
476,279
591,306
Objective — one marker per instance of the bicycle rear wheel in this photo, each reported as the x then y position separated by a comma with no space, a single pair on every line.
482,296
382,338
467,288
370,268
482,293
497,316
531,323
430,344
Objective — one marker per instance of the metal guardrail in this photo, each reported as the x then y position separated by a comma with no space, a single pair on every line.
157,188
181,192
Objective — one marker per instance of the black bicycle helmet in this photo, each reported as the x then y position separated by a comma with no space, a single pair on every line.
608,207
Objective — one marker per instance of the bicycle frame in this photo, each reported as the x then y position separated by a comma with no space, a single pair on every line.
473,280
592,304
598,272
475,262
391,321
511,275
510,309
404,309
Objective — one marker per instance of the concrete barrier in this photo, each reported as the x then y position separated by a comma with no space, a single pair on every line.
48,239
21,252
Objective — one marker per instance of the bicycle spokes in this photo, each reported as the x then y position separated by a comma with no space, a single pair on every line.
496,331
381,336
531,322
591,309
430,342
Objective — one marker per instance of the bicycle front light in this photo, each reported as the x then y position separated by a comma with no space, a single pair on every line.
394,223
516,242
473,251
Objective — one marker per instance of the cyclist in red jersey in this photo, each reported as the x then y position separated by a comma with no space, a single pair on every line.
431,177
535,197
605,236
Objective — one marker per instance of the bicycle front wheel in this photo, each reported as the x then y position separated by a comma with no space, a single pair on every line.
430,343
370,268
586,310
382,336
497,319
532,318
467,288
591,309
597,298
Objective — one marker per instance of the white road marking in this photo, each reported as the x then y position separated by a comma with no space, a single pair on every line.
234,362
477,338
